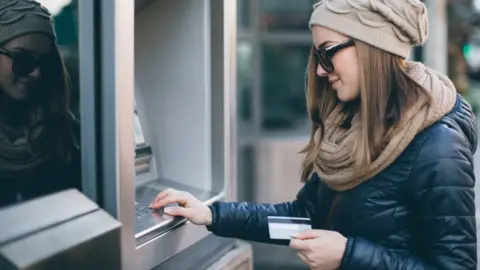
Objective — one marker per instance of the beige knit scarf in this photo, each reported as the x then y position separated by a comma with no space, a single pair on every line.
333,163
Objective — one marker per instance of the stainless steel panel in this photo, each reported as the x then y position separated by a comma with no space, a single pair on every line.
172,236
146,219
223,77
88,109
176,113
35,215
88,242
156,251
230,101
150,224
64,230
201,255
116,107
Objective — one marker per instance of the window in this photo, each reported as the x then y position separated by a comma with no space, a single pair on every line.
272,54
283,95
245,77
285,15
244,18
66,26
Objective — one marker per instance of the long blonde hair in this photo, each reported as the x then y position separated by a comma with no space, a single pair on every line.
386,93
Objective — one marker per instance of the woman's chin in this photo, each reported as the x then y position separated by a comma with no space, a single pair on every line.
341,96
344,95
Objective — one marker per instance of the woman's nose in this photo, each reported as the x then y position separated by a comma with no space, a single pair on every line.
35,73
320,71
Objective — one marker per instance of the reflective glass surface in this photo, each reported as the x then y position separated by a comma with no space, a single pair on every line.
283,79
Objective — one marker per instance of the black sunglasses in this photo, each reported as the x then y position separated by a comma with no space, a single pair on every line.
324,55
22,63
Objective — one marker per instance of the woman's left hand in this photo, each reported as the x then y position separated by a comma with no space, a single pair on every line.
319,249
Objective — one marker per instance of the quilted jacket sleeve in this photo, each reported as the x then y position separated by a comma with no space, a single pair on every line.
248,221
441,194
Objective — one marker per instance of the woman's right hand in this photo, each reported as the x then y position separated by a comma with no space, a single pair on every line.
189,207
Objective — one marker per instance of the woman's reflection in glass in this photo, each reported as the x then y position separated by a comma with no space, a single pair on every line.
39,137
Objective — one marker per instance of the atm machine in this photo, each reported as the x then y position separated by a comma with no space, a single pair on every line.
183,96
163,116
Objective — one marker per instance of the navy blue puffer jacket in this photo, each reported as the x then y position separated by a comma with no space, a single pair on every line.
418,213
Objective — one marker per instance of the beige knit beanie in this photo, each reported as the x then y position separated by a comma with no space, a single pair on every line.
20,17
391,25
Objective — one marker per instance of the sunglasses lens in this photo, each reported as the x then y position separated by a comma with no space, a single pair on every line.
24,65
325,62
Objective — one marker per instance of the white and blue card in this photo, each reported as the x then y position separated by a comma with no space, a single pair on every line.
284,228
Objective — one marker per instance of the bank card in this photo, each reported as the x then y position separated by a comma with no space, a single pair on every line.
283,228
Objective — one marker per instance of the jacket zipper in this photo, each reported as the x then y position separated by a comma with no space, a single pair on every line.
332,210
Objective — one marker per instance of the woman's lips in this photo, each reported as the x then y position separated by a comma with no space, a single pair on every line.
333,83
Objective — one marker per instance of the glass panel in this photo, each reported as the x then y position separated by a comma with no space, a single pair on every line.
283,96
40,132
245,79
244,14
67,40
285,14
246,173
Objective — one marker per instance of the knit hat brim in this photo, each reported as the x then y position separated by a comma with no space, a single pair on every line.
356,30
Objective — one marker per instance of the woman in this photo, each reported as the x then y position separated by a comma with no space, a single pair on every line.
388,169
39,150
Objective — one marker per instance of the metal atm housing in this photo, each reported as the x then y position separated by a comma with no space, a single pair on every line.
183,117
164,80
